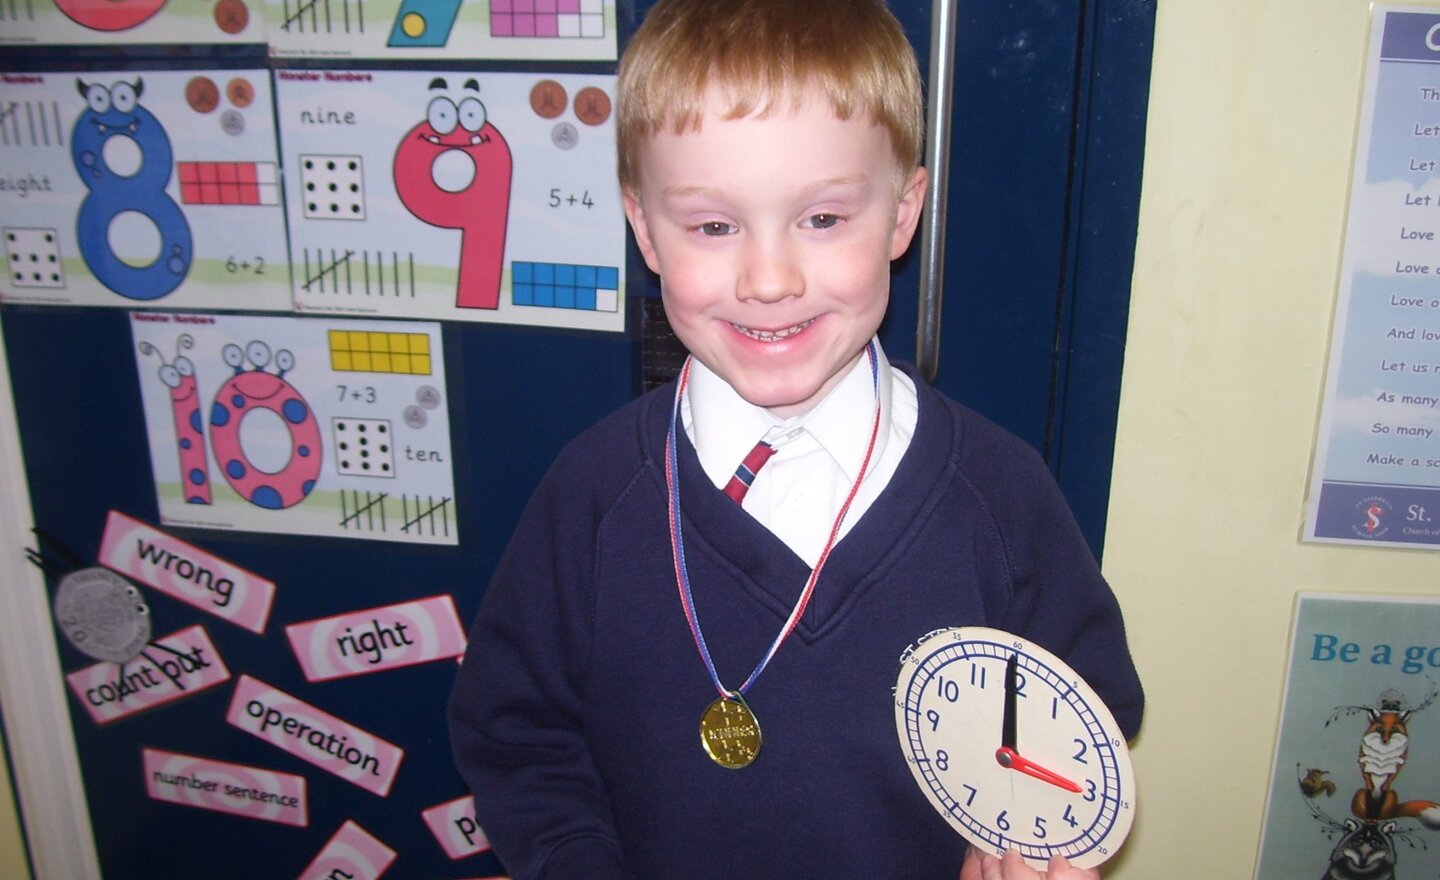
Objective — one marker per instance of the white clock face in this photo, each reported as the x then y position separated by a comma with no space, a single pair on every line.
1043,770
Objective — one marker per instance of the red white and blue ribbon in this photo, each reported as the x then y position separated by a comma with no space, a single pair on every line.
677,538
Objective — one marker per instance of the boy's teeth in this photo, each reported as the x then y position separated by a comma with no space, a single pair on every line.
772,335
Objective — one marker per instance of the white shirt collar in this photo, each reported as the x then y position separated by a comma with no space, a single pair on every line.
724,426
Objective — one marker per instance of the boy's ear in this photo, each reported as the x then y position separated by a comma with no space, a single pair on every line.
636,215
907,213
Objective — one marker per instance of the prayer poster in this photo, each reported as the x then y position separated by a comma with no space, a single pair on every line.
143,188
454,196
1356,778
1376,474
557,30
113,22
298,426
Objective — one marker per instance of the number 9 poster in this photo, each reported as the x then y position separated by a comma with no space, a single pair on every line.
454,196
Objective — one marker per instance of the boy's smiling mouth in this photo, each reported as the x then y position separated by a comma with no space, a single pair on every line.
771,335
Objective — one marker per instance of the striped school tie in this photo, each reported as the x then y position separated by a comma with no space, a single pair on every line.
745,474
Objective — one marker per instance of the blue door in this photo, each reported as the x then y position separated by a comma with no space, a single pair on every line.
1046,136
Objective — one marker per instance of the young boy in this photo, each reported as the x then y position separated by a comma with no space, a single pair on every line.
769,164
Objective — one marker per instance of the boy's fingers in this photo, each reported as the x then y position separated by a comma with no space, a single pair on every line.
970,868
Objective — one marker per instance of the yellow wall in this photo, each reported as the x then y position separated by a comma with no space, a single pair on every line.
12,850
1253,109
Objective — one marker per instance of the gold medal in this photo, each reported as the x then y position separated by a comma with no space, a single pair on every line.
730,733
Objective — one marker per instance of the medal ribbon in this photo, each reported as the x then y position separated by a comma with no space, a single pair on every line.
677,541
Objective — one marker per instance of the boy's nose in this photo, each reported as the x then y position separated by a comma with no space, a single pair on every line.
770,273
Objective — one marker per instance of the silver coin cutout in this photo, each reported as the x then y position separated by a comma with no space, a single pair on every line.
102,614
232,122
564,135
427,396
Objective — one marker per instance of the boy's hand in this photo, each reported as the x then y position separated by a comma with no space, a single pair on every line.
986,867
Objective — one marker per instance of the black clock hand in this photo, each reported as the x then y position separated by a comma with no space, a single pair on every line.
1007,722
1007,755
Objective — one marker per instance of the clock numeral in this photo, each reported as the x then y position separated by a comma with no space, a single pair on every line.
1080,755
934,718
949,689
1069,817
1002,821
942,760
977,676
1054,708
1089,790
1040,833
973,791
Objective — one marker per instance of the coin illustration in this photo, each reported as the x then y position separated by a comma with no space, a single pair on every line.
232,122
548,99
427,396
102,614
202,94
232,15
240,92
592,105
564,135
415,417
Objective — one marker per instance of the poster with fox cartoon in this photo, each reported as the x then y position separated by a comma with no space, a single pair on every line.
1355,789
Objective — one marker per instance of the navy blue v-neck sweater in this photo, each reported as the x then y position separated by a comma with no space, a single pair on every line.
575,718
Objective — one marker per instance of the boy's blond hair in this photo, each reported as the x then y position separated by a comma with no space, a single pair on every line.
763,52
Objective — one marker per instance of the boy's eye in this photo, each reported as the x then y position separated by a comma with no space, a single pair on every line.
716,227
823,221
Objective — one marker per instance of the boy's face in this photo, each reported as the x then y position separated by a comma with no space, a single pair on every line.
773,238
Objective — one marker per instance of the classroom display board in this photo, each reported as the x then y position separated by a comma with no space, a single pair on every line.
1376,476
263,265
129,189
264,537
108,22
440,193
430,29
452,195
1356,778
573,30
298,427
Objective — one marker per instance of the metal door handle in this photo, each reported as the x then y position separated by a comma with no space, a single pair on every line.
937,159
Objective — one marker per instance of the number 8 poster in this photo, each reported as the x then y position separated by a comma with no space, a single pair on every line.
142,188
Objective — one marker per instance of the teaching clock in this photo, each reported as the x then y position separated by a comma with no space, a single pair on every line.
1013,748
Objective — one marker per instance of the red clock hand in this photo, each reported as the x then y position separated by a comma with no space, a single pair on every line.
1010,759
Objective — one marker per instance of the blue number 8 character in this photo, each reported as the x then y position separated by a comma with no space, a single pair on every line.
116,112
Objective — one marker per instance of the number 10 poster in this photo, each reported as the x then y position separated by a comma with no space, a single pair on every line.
298,426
